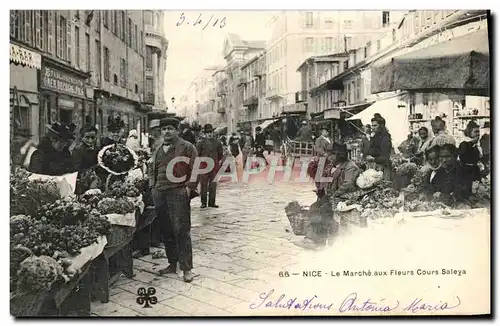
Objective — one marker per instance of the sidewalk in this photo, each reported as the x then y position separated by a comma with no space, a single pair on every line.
238,251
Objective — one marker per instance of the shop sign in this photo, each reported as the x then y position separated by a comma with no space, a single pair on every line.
295,107
332,114
62,82
24,56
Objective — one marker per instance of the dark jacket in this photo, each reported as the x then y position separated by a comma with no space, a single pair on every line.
344,179
157,175
233,146
211,147
84,157
243,141
365,146
380,148
447,182
46,160
260,140
321,146
188,136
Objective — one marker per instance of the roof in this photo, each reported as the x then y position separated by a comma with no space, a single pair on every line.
324,58
236,40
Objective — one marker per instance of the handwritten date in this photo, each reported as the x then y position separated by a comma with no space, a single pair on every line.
213,21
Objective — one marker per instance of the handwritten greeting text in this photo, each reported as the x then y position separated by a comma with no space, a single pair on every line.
213,21
352,304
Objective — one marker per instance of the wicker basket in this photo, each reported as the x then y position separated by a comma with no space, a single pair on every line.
352,216
118,234
299,223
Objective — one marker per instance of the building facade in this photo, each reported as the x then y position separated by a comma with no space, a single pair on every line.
236,52
156,58
91,65
339,90
253,90
297,35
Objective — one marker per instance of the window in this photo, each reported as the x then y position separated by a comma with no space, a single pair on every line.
149,57
393,35
115,79
87,41
28,23
358,90
328,23
61,37
106,18
98,60
130,33
347,43
309,44
123,73
417,22
329,44
136,88
118,23
77,47
385,18
148,17
378,45
106,64
50,31
141,44
135,38
123,28
309,20
366,52
347,24
39,29
348,95
112,20
14,23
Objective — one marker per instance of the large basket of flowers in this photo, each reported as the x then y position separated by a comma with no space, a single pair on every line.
117,159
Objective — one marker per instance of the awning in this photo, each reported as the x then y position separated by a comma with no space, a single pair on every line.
462,63
267,123
25,57
220,130
396,118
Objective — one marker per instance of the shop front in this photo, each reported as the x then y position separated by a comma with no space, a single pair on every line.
63,96
24,103
450,80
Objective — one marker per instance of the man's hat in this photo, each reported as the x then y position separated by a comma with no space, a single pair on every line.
115,124
169,122
338,149
62,131
208,128
155,123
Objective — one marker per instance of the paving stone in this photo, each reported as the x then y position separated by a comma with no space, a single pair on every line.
104,309
250,264
226,288
173,285
153,310
216,274
193,307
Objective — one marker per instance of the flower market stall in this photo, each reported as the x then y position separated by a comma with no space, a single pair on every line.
62,245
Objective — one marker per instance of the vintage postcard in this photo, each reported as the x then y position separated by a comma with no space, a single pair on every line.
249,163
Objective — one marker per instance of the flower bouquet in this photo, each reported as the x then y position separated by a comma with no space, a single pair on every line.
117,159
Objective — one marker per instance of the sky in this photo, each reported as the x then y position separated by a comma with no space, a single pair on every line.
193,46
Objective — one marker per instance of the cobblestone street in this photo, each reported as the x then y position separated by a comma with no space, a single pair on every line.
238,251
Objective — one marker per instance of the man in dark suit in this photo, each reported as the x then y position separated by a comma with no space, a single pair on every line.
210,147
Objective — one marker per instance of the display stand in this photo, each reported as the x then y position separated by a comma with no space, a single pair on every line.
115,259
64,300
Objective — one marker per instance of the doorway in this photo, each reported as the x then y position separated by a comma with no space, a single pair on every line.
65,116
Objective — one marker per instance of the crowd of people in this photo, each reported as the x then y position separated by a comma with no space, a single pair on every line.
448,172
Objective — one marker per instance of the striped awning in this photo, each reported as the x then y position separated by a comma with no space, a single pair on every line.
25,57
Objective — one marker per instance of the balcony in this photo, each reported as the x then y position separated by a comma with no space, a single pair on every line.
273,92
242,80
149,98
252,101
259,71
301,96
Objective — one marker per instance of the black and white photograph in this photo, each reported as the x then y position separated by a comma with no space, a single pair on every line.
244,163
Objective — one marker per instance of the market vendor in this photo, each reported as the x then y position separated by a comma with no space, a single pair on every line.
247,144
441,137
52,156
116,128
365,140
323,143
305,133
172,197
445,182
343,173
469,156
380,148
424,141
85,160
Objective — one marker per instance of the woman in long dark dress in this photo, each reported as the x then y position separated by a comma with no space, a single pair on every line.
380,148
469,156
52,156
116,129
